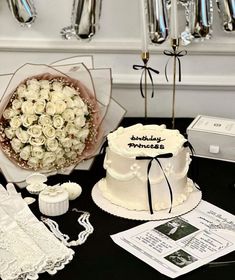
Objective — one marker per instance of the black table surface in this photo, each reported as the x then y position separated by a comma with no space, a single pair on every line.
99,257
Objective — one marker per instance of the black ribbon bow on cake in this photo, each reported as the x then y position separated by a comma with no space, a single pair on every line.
187,144
151,159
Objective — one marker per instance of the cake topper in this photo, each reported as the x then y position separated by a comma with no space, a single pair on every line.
146,70
175,42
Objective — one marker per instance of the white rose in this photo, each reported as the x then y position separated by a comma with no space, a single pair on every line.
50,108
16,104
83,134
60,133
58,121
81,111
60,106
75,141
67,150
38,141
25,152
16,145
9,113
39,106
27,107
45,120
37,152
33,85
69,102
44,94
52,144
15,122
69,91
35,130
33,162
9,132
79,147
85,109
78,112
21,90
66,142
59,152
57,86
71,155
80,121
45,84
49,131
60,161
78,102
22,135
56,95
68,115
71,129
31,95
48,159
27,120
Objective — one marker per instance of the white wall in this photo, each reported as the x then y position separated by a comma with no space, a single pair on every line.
208,71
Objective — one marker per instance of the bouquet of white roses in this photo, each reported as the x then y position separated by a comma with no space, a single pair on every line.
50,121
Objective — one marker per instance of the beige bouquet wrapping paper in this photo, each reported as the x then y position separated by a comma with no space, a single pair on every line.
53,118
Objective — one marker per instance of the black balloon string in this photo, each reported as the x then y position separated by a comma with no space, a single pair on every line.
177,55
149,70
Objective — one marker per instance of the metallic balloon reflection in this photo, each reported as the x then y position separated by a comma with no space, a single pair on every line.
23,11
199,17
157,20
84,21
227,13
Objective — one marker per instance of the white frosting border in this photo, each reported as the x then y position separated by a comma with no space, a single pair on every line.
180,140
103,203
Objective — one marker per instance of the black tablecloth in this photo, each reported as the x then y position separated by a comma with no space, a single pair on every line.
100,257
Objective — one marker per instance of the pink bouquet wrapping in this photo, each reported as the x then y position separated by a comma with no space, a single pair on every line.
52,120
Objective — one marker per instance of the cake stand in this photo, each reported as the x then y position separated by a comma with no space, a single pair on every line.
103,203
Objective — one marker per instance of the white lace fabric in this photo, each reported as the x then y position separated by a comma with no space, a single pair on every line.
20,257
36,235
58,255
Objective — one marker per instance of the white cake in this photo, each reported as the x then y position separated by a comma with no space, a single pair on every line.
138,176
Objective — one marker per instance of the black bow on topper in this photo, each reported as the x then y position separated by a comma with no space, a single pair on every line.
149,70
177,55
151,159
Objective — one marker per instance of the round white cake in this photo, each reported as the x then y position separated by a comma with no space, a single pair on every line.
146,168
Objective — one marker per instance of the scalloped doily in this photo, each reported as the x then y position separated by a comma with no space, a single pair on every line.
106,205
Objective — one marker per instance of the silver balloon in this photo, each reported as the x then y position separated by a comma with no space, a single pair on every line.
85,19
227,13
23,11
157,20
199,17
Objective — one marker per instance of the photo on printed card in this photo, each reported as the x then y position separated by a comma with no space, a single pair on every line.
176,229
180,258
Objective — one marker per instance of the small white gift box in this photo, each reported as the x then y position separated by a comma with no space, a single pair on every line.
213,137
